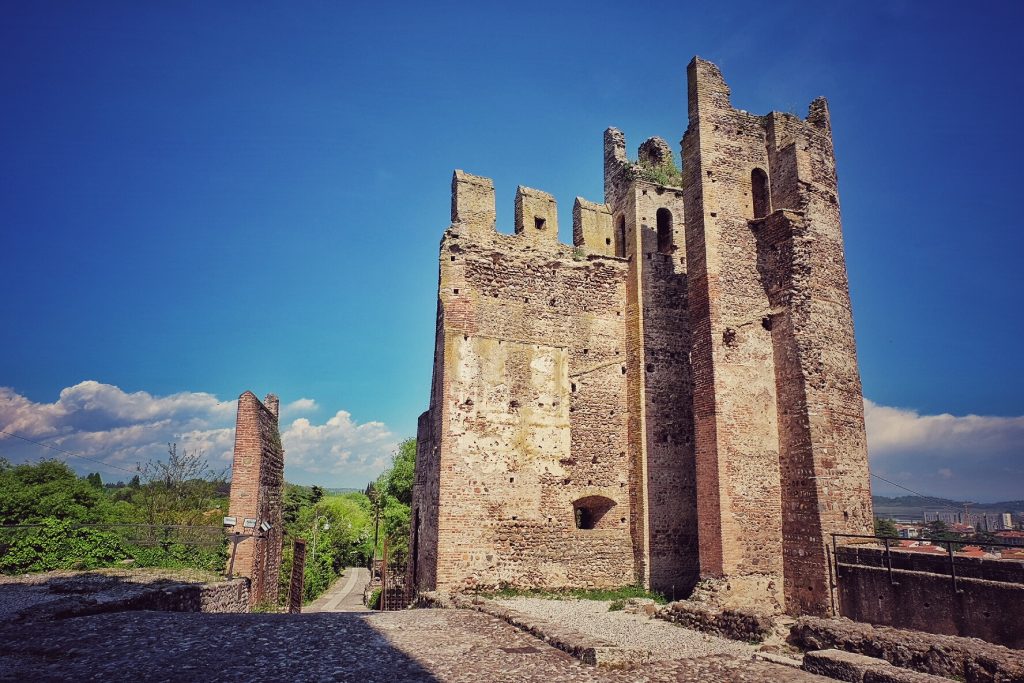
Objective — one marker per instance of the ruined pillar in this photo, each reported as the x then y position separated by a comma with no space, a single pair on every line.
257,481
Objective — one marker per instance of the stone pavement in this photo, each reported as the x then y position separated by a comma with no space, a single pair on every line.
412,645
345,594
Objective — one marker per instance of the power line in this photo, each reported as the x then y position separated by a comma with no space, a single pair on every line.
77,455
942,502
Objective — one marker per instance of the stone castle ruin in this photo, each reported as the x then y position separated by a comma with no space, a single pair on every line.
674,397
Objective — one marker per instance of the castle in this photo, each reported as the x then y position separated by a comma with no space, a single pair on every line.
674,397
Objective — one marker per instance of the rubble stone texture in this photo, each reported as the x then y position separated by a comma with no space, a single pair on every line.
674,397
257,481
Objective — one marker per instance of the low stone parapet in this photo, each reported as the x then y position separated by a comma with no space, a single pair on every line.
748,626
857,668
60,595
965,659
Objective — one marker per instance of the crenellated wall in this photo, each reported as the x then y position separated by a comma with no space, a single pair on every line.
527,416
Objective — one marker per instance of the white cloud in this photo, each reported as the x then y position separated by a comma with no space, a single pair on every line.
961,457
301,406
104,422
339,447
895,430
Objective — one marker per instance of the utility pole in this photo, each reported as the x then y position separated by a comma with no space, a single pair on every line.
375,498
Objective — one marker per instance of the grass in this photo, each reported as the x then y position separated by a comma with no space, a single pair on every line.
667,175
617,596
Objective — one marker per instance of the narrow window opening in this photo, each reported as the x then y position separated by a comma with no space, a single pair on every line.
539,222
607,241
455,291
760,193
664,221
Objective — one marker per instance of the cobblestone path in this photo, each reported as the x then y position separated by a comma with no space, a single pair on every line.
413,645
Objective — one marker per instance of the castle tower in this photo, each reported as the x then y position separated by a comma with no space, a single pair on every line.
674,396
781,452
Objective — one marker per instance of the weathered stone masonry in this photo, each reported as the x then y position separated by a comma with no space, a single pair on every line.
257,482
674,397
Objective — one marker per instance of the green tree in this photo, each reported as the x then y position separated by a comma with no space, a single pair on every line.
49,489
885,527
95,480
343,535
182,489
399,479
391,496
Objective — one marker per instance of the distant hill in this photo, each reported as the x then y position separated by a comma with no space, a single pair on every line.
336,492
914,507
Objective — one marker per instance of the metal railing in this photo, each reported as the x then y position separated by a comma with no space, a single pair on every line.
885,542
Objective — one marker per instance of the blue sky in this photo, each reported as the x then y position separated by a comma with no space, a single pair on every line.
202,198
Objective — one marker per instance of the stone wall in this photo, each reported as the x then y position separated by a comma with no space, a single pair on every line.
987,602
963,659
257,481
62,594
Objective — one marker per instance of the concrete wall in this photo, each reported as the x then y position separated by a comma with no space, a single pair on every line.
257,482
924,599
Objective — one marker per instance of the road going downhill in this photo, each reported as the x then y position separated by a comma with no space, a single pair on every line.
345,594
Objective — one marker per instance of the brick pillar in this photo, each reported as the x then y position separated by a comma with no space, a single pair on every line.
257,480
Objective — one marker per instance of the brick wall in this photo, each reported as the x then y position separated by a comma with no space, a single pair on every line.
257,481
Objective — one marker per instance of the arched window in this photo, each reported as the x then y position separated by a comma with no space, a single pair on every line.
664,217
590,512
620,236
760,192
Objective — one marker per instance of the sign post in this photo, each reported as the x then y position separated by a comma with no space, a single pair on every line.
298,581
